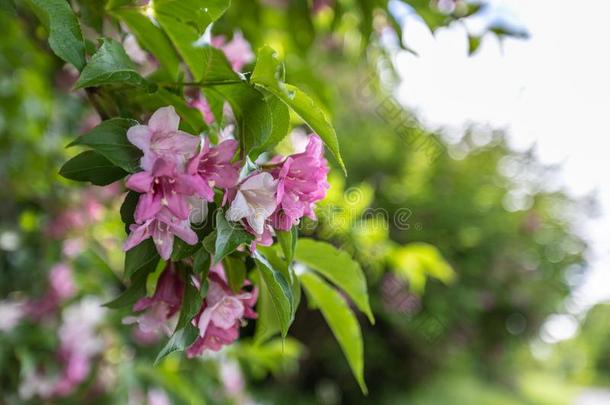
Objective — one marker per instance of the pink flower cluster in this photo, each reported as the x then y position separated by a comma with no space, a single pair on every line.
175,174
279,197
221,314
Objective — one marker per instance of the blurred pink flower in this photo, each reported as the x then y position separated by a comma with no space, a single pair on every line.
212,167
61,288
11,312
162,306
162,228
301,182
237,50
221,314
161,138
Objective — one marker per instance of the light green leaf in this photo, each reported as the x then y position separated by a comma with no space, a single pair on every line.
280,118
254,118
288,242
235,269
417,261
268,74
151,38
93,167
111,65
339,268
65,37
185,21
110,140
341,321
179,341
279,290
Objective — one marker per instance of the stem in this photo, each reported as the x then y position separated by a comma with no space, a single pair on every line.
203,83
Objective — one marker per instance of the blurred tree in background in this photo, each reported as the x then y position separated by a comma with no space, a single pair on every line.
467,245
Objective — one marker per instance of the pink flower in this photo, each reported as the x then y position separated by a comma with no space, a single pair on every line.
61,287
213,167
162,228
301,182
254,201
221,314
237,51
161,187
159,308
162,139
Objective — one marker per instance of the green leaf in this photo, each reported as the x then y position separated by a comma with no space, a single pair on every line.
142,256
341,321
191,303
179,341
93,167
235,269
151,38
339,268
181,250
229,236
280,118
279,292
268,74
217,68
111,65
185,21
65,37
191,119
201,262
417,261
110,140
288,241
135,291
128,208
252,112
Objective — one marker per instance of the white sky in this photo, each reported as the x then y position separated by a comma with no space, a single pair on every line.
552,90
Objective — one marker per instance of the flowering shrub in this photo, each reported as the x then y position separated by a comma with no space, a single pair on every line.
189,126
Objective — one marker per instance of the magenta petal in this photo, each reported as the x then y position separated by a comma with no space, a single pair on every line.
138,234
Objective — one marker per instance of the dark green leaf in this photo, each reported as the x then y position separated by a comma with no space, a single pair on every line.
110,140
142,256
128,208
191,303
191,119
229,236
65,37
201,262
111,65
338,267
135,291
341,321
93,167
